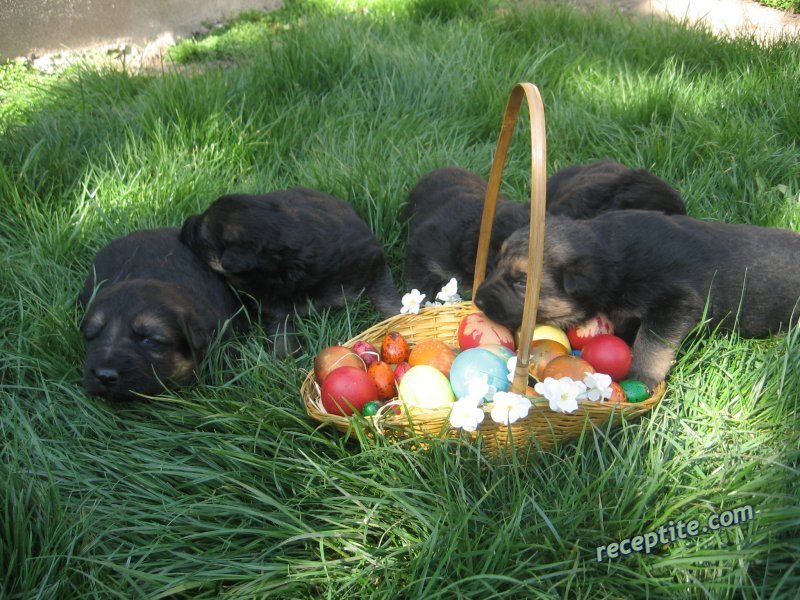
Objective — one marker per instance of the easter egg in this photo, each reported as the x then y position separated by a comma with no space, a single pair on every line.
542,352
617,394
333,357
635,391
425,388
567,366
578,335
366,352
371,408
608,354
382,375
476,329
549,332
434,353
400,369
477,364
346,390
502,352
394,348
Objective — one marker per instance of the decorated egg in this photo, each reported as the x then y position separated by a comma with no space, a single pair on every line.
346,390
425,388
578,335
382,374
476,329
400,369
549,332
394,348
567,366
617,394
366,352
542,352
477,364
635,391
503,352
371,408
434,353
333,357
608,354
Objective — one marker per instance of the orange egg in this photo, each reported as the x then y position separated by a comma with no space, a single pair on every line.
617,394
434,353
567,366
383,375
394,348
542,352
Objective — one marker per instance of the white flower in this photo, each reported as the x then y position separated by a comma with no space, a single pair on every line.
429,303
561,393
449,293
598,387
466,413
511,365
412,302
509,408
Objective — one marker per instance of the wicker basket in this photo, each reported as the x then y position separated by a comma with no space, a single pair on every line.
542,425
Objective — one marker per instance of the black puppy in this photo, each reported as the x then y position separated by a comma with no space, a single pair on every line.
446,205
585,191
289,249
445,209
153,316
661,270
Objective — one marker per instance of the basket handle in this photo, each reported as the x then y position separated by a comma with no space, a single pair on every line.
538,188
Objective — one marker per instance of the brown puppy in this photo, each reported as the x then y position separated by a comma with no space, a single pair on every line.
664,271
153,308
289,249
446,205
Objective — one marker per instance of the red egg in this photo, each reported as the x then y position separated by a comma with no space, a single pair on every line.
476,329
366,352
347,389
578,335
401,369
608,354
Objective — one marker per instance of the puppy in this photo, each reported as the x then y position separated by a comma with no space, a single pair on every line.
446,205
289,249
585,191
664,271
153,316
445,209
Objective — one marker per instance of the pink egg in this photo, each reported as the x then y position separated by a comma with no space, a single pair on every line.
477,330
608,354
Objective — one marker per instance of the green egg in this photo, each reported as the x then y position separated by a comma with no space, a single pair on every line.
370,408
635,391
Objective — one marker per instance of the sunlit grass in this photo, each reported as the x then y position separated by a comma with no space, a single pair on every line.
227,488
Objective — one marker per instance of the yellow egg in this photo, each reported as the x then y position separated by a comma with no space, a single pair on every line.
425,388
549,332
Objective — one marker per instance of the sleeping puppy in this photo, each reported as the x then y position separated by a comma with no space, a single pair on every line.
585,191
153,308
289,249
446,205
661,270
445,209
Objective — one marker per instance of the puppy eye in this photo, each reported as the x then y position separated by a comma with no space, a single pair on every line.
152,343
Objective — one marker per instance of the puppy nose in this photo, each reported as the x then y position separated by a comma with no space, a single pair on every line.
106,375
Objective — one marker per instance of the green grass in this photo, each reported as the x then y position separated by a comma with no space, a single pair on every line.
227,489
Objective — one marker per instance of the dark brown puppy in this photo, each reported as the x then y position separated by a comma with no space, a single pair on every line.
153,316
289,249
661,270
445,209
585,191
446,205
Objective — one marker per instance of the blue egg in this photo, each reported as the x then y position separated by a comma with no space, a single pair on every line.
478,364
576,353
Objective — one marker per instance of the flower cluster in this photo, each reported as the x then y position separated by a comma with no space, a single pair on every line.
563,394
448,295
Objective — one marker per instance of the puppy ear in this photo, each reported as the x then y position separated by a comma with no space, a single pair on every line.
235,259
581,280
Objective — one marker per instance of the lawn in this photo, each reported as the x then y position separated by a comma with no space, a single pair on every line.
227,489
